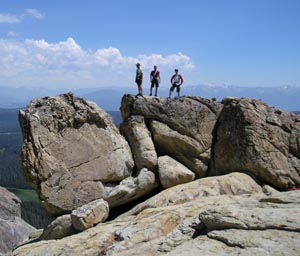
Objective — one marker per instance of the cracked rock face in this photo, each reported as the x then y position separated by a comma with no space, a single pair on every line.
181,128
251,136
70,148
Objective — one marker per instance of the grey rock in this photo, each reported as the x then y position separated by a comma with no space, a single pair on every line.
59,228
13,230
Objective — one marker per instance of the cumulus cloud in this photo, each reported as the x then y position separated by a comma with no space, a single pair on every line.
37,61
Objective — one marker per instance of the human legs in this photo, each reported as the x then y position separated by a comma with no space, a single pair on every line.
178,90
171,90
156,84
151,87
156,87
140,89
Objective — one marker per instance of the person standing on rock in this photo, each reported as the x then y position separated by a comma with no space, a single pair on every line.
176,82
154,79
139,79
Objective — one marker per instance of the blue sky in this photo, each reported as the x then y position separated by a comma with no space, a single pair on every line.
96,43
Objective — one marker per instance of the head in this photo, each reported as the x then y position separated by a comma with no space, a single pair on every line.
155,67
138,65
176,70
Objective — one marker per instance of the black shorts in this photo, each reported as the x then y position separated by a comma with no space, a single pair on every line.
139,82
177,86
154,83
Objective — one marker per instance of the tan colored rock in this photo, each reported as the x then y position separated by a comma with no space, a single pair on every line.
70,148
131,188
253,218
230,184
253,137
269,190
172,173
240,242
184,149
191,116
173,230
140,141
88,215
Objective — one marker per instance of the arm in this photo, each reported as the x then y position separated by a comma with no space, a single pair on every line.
181,79
172,79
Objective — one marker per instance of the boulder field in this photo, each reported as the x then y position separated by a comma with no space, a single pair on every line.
200,176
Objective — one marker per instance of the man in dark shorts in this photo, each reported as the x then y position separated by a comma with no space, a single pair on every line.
139,79
176,81
154,79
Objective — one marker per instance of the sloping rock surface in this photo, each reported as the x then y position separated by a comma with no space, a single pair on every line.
71,148
202,226
13,230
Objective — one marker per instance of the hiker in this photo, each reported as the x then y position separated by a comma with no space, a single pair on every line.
139,78
176,81
154,79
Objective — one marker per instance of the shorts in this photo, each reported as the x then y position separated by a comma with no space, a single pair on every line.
177,86
139,82
154,83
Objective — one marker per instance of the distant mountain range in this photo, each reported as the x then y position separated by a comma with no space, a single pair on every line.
109,99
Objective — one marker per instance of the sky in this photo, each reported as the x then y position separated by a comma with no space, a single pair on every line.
96,43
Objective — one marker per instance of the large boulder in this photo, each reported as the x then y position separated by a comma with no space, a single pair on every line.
71,148
13,230
253,137
184,149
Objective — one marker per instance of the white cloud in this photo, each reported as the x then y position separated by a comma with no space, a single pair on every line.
34,13
9,18
12,18
34,62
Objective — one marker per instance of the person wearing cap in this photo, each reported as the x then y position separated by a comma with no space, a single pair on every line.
139,78
154,79
176,82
